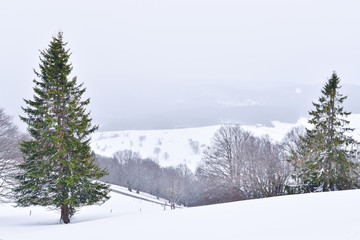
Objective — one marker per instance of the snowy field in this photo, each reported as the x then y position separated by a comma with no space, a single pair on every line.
176,146
317,216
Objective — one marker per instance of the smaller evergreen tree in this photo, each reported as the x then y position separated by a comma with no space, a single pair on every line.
58,168
326,158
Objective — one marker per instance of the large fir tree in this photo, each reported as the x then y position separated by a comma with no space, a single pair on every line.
326,158
58,169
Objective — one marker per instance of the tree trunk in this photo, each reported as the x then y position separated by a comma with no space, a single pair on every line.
65,214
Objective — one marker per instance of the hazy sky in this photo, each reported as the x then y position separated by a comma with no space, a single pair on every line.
134,55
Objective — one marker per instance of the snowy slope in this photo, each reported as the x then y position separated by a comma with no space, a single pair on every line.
142,195
32,221
168,147
330,216
175,146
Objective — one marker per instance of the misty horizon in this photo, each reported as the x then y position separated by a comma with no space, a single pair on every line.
157,64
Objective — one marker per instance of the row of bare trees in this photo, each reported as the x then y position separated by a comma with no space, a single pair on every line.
238,165
127,168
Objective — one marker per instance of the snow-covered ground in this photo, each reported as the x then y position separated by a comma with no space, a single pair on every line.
38,222
333,215
175,146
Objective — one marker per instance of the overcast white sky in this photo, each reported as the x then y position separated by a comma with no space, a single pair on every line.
123,49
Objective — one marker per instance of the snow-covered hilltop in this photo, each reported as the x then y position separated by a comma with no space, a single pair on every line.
167,147
173,146
183,146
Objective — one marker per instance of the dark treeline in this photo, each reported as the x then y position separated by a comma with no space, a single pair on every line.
128,169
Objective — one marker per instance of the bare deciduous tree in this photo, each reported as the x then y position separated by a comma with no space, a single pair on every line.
9,154
292,140
242,166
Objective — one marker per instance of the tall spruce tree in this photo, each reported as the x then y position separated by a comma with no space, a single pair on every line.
58,169
326,158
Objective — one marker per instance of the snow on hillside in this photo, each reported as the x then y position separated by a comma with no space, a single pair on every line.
168,147
142,195
330,216
175,146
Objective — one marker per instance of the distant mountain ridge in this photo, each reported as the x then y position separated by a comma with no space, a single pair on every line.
179,106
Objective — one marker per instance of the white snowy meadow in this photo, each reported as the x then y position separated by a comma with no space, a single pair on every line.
330,215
